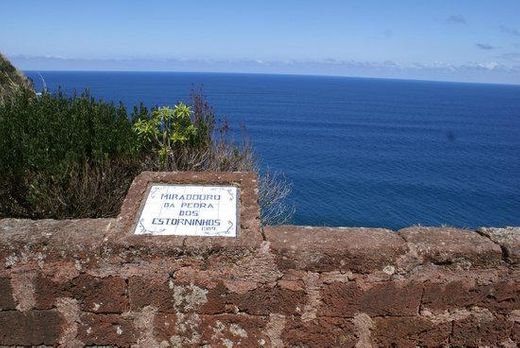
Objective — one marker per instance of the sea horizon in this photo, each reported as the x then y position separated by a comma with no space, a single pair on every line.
31,71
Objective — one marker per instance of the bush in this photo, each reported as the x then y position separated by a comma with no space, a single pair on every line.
189,138
273,190
75,157
58,156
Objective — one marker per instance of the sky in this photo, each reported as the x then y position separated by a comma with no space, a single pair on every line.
452,40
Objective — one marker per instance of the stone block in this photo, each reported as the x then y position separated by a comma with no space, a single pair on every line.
456,294
320,332
267,300
508,238
410,332
397,298
165,326
100,295
237,330
41,239
147,291
47,291
106,329
6,295
451,246
475,331
323,249
166,295
31,328
515,333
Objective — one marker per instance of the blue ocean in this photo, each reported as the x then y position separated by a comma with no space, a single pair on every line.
358,152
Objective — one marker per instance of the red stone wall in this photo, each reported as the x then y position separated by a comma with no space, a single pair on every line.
91,283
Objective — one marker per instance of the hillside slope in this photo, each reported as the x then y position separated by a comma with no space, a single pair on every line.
11,80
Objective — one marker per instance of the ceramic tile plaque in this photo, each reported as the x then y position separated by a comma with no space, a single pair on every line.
189,210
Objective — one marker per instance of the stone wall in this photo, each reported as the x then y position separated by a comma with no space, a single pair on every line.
88,282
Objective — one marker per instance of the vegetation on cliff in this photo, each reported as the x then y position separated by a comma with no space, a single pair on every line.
75,156
11,80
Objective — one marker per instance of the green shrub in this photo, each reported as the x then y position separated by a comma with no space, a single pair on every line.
75,157
189,138
168,130
52,144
